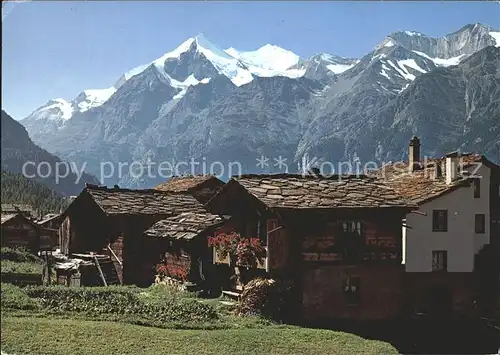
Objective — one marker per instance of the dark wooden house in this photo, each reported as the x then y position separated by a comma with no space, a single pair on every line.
112,221
339,239
19,231
201,187
184,240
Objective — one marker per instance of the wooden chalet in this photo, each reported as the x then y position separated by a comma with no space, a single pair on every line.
18,231
201,187
184,240
338,238
111,222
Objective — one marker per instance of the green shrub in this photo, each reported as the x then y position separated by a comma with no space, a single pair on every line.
159,294
18,255
21,267
121,301
13,297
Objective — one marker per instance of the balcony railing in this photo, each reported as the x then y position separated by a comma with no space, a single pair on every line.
365,254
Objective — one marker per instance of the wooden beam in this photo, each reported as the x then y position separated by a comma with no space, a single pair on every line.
274,230
419,213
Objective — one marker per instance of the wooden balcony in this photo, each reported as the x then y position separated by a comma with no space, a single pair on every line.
367,254
226,260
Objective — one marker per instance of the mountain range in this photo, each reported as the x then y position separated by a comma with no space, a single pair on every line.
205,104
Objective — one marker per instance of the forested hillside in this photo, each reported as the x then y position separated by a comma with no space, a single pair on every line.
18,189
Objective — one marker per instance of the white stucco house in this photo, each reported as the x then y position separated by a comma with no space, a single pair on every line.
459,209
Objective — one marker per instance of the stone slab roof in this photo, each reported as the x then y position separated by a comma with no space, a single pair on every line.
423,185
184,226
16,207
142,202
49,217
7,217
297,191
185,183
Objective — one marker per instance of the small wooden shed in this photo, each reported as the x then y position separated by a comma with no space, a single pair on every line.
19,231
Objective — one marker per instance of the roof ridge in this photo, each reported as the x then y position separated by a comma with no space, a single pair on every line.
304,176
192,176
120,189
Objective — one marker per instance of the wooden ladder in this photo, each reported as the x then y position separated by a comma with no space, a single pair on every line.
117,260
99,269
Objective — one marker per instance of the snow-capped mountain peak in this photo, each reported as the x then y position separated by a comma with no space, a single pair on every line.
56,110
334,63
496,37
204,45
239,66
93,98
268,56
197,60
413,33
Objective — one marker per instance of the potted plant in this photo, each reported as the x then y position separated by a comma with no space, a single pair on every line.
242,251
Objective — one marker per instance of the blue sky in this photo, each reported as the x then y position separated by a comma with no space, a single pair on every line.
59,48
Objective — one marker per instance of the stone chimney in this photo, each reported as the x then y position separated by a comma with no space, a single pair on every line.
437,171
414,154
451,167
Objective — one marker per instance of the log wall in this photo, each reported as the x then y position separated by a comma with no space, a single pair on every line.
20,233
324,297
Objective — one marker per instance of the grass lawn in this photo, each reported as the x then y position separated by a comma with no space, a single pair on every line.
28,335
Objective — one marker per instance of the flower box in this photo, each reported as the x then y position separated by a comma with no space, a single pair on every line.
235,250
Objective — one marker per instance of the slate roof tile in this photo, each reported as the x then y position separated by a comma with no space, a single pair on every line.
186,225
422,184
184,183
146,202
297,191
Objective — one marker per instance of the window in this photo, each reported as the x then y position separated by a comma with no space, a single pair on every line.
440,221
480,223
262,231
439,260
350,287
353,226
477,188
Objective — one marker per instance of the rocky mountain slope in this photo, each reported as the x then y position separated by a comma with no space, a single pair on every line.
201,104
18,149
